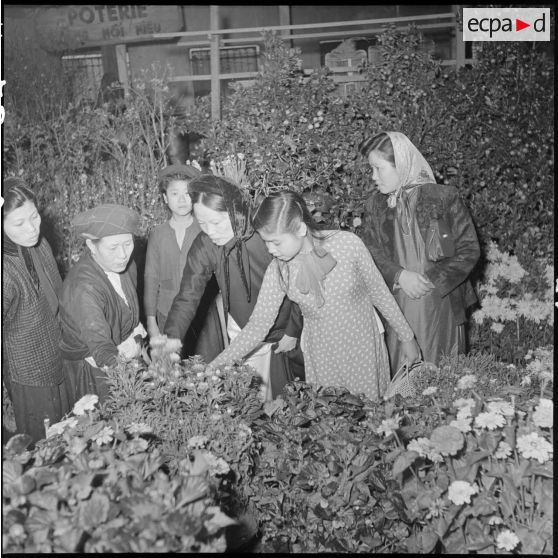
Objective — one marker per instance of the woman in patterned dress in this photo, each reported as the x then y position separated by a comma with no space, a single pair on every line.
332,277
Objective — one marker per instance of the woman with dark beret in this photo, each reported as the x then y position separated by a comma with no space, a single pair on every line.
99,302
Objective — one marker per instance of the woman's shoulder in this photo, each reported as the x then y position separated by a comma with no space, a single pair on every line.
435,190
340,238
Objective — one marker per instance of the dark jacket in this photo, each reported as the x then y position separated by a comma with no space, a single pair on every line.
30,330
95,319
449,275
205,258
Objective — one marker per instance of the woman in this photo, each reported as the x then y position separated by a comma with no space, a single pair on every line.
423,240
99,302
31,360
332,277
229,248
167,250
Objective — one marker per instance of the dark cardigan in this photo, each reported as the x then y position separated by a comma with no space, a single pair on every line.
449,275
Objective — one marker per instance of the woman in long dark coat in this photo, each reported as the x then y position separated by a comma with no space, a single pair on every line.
99,301
424,243
31,360
229,248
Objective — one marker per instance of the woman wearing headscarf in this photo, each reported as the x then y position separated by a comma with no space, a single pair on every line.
99,302
31,283
229,248
424,243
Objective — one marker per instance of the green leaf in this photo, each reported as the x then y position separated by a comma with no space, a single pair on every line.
403,462
93,512
45,500
11,471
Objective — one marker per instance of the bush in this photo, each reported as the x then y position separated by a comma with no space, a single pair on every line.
96,486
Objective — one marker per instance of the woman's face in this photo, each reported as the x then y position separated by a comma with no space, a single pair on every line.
283,246
215,224
384,173
23,225
178,198
112,252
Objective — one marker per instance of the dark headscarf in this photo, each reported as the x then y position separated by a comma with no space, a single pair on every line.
238,204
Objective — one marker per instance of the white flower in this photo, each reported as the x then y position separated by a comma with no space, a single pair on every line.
502,407
507,540
388,426
139,428
430,390
104,436
490,421
503,450
460,492
60,427
535,447
495,520
217,465
198,441
464,403
462,423
467,381
497,327
421,445
543,416
526,381
86,403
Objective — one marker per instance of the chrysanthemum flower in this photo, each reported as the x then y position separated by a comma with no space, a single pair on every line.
60,427
533,446
462,424
543,416
460,492
507,540
500,406
421,445
503,450
490,421
430,391
466,382
388,426
104,436
495,520
86,403
447,440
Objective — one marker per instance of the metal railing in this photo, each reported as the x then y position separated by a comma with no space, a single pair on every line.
430,22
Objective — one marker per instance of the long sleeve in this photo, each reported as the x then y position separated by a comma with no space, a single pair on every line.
263,316
94,329
449,273
197,272
381,296
152,281
372,238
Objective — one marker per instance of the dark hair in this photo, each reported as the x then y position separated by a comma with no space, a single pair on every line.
166,180
209,200
16,193
380,142
283,211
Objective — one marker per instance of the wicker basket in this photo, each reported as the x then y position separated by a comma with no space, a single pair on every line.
402,382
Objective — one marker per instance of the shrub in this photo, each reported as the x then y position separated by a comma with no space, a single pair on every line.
96,486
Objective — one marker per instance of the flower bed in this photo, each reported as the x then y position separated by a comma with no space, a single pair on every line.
179,450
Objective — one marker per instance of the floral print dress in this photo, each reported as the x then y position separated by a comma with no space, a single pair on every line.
341,342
